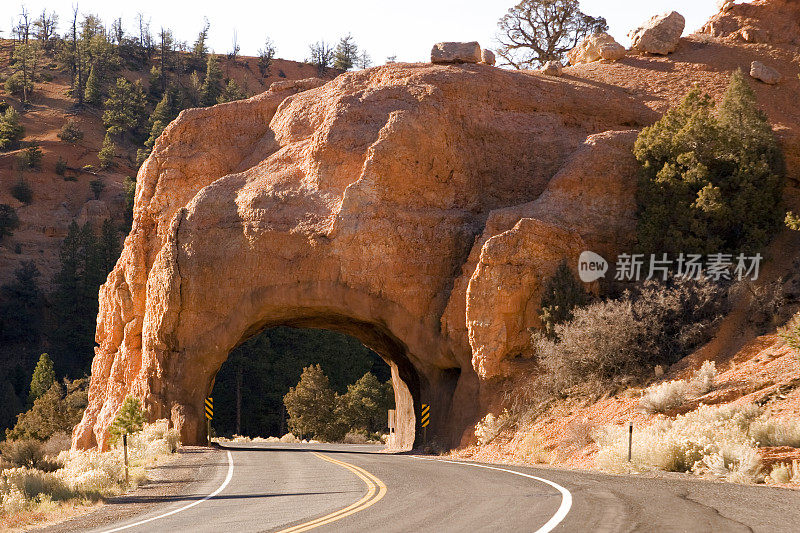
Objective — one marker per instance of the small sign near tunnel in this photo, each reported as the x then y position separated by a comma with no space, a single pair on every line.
425,415
209,408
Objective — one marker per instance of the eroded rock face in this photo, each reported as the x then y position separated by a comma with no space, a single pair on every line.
660,34
415,207
594,48
488,57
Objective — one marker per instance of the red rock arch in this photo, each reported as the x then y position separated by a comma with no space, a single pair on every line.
416,207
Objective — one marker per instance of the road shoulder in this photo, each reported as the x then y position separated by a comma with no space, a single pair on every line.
189,467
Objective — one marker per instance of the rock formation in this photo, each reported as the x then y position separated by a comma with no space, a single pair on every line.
419,208
553,68
660,34
594,48
487,57
775,22
456,53
762,72
415,207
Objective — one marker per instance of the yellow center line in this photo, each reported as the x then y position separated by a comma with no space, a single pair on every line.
375,491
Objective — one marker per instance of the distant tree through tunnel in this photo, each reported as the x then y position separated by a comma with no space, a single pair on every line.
249,387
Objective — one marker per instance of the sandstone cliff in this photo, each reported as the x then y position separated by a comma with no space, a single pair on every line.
417,207
362,206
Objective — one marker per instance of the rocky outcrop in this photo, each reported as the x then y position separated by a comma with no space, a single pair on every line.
488,57
415,207
594,48
660,34
762,72
775,22
450,52
552,68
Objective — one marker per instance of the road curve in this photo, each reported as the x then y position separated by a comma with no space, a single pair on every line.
323,488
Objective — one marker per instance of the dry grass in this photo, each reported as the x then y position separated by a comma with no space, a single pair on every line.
718,441
669,395
30,495
490,426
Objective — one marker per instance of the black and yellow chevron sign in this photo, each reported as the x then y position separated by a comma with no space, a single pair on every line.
426,415
209,407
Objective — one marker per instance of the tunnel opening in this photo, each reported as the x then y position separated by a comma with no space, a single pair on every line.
250,384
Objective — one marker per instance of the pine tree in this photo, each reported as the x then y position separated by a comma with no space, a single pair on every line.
212,85
10,406
129,420
93,87
165,112
711,181
9,220
346,53
363,407
107,152
199,49
321,56
109,247
11,131
125,108
21,306
311,406
74,300
43,378
231,93
265,57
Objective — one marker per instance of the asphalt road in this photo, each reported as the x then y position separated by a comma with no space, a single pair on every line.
319,487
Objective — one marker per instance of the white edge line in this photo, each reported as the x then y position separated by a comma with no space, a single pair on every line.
185,507
566,496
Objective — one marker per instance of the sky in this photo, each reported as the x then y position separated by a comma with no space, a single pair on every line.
404,29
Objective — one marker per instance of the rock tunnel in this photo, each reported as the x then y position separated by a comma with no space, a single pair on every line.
417,208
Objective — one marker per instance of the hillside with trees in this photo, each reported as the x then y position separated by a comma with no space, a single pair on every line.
82,102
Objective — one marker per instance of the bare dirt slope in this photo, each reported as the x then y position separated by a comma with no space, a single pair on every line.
58,200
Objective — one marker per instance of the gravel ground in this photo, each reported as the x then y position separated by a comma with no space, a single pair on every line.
173,478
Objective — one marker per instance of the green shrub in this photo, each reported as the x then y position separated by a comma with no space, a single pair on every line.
11,131
70,133
97,185
15,84
22,191
711,180
9,221
562,293
61,166
31,157
56,411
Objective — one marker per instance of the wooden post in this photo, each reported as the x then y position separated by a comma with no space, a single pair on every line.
125,453
630,441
